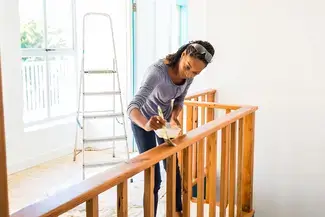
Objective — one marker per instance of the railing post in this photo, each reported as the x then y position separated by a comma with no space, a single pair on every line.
200,178
171,186
187,181
239,167
195,125
212,171
248,162
187,167
148,192
224,170
92,207
180,156
232,173
210,117
122,199
201,167
4,207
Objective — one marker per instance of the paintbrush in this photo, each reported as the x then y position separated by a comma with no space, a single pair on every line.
161,114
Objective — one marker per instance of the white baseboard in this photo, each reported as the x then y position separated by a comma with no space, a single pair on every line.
36,160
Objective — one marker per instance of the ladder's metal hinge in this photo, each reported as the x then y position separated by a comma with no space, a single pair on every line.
134,7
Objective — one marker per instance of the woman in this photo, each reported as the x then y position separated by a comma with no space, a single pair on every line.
166,80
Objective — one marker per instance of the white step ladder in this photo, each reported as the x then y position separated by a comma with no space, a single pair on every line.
108,114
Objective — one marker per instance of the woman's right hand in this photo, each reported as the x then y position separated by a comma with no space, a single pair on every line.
155,123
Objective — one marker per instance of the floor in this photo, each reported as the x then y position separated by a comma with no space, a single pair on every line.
39,182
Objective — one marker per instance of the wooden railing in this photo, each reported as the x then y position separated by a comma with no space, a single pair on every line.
200,109
4,208
198,152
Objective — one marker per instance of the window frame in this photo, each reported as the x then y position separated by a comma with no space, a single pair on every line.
45,53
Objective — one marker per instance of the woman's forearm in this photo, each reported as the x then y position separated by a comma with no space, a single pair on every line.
176,111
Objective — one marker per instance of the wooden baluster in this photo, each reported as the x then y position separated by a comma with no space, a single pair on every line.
201,167
148,192
210,117
212,171
122,199
195,125
171,186
248,162
187,181
203,111
239,167
204,149
224,170
92,207
189,118
232,166
4,207
203,121
200,178
179,154
187,167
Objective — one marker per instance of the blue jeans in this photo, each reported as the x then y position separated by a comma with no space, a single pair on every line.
145,141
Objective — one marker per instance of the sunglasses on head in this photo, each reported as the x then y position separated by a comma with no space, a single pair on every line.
201,49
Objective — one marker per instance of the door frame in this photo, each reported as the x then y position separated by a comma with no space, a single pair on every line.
183,6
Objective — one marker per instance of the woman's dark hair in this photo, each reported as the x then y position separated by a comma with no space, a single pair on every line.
173,59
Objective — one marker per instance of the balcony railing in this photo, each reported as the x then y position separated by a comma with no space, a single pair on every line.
213,151
47,88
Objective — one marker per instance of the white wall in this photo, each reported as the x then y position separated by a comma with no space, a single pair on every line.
197,31
271,54
25,149
155,23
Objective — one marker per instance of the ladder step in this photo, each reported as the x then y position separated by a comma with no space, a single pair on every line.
90,149
100,71
101,93
105,163
106,139
99,111
102,115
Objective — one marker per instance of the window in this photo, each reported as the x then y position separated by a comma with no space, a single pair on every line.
48,63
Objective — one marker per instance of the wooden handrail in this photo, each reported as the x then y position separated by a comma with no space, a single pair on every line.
213,105
200,93
90,188
4,207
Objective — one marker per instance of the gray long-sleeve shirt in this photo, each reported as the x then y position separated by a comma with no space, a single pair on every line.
157,88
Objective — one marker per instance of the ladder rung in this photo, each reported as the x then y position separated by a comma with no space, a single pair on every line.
102,93
99,111
102,115
98,164
90,149
106,139
100,71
